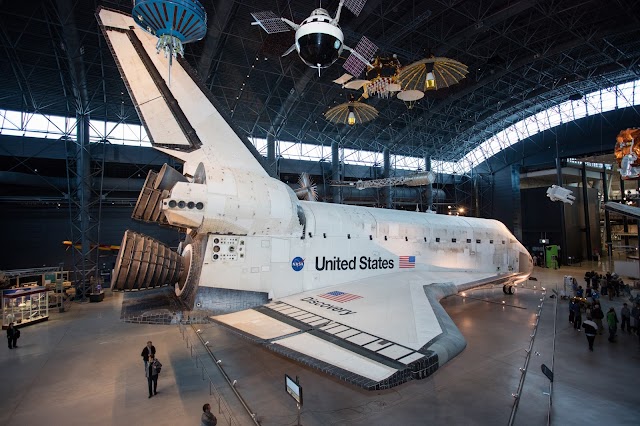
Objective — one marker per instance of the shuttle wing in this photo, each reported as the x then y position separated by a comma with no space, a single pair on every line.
375,333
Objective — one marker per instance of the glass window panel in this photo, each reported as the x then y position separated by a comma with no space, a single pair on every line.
287,149
491,146
260,144
521,129
465,166
96,134
566,111
36,123
405,162
625,95
510,136
474,157
500,140
132,132
532,125
543,121
352,156
311,152
480,156
483,152
609,97
579,109
12,120
443,167
554,116
117,133
111,132
61,125
594,106
450,167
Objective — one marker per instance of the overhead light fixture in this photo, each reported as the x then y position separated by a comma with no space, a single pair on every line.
430,83
432,74
351,118
351,113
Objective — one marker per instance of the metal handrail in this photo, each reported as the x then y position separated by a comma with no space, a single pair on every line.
212,387
523,370
223,407
553,355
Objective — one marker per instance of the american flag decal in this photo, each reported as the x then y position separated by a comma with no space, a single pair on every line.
407,262
339,296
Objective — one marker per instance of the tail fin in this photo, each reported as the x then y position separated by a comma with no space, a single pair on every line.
180,118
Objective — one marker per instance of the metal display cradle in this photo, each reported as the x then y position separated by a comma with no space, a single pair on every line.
24,306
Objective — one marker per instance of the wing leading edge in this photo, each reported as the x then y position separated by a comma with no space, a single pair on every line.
370,333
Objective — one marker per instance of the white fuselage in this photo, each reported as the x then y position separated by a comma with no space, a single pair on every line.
261,238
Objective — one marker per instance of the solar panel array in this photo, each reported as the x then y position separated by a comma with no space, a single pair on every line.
270,22
355,6
366,49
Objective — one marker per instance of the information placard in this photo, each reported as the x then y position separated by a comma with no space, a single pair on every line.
293,389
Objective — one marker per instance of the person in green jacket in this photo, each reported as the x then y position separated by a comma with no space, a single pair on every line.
612,320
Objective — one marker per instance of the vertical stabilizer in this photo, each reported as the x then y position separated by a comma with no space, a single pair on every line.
179,118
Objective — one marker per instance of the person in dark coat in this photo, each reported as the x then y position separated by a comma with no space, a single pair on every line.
595,280
577,318
148,350
572,310
153,370
625,314
207,419
598,316
590,330
12,336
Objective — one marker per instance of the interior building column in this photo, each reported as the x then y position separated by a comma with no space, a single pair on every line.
585,206
386,172
607,220
335,172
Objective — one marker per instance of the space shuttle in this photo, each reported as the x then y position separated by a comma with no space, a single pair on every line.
351,291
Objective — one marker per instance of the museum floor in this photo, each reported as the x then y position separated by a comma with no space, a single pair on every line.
83,367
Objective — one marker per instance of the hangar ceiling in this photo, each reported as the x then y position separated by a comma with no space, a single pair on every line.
523,56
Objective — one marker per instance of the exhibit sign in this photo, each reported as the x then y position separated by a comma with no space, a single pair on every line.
293,388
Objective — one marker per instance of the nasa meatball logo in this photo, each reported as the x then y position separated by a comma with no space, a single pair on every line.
297,263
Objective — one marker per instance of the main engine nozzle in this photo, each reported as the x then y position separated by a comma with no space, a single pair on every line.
145,263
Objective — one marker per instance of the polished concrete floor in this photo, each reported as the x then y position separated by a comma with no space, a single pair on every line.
83,367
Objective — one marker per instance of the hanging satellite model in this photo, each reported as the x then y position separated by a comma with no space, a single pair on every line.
319,39
351,113
174,22
558,193
417,179
308,190
386,77
627,153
